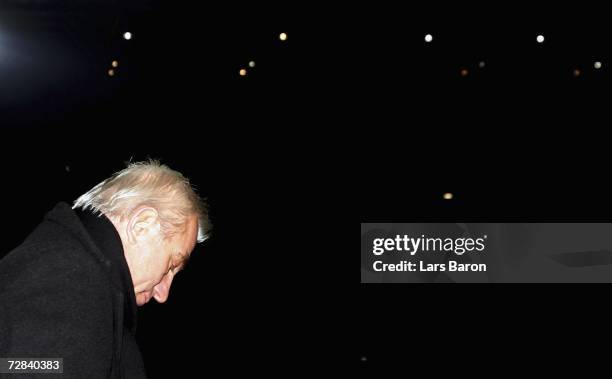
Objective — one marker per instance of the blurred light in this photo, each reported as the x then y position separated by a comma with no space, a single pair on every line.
127,35
252,64
67,168
464,72
428,37
243,72
364,359
576,72
283,36
115,64
540,38
481,64
111,72
448,196
597,65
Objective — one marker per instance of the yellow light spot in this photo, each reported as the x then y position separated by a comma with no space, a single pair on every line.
111,72
283,36
243,72
115,64
448,196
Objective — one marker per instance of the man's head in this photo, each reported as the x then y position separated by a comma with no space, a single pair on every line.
159,218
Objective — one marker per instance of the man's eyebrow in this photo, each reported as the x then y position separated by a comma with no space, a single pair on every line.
183,260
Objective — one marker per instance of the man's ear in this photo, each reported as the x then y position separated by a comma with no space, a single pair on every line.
143,223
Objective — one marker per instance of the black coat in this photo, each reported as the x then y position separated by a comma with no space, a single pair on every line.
61,296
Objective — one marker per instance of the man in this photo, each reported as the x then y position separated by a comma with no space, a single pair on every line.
71,289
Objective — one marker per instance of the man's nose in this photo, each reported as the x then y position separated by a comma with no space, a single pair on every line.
162,289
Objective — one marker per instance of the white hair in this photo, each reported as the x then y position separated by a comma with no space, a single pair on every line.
153,184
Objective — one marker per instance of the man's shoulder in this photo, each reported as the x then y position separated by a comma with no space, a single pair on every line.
51,255
34,267
56,301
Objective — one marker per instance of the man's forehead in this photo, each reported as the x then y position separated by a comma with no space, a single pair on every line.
188,246
192,234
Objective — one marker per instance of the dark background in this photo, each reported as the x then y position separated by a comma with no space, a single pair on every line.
519,140
177,96
354,116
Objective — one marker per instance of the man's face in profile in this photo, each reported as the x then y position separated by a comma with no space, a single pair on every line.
153,260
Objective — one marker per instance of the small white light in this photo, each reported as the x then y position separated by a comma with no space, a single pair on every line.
481,64
428,37
540,38
127,35
448,196
252,64
114,63
597,65
283,36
